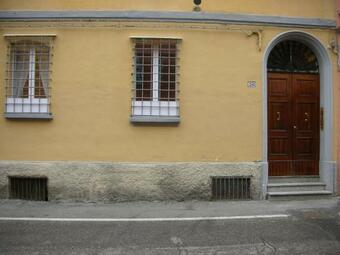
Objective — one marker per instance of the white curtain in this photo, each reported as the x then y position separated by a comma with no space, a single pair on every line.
20,73
43,60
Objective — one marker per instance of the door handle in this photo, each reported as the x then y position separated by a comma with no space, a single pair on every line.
295,127
278,114
306,116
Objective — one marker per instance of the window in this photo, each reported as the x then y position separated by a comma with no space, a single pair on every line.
155,84
28,77
294,57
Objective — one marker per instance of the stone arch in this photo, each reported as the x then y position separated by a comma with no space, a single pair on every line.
327,165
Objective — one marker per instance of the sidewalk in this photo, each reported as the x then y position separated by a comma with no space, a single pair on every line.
189,209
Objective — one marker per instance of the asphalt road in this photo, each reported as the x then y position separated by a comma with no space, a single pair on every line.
303,232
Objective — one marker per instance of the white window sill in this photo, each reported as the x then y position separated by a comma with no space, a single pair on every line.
155,119
16,115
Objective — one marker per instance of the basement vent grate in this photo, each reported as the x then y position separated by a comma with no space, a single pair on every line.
231,188
28,188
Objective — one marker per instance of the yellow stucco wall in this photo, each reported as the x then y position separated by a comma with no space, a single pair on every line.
298,8
221,119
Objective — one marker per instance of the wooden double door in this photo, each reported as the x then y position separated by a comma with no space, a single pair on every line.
293,124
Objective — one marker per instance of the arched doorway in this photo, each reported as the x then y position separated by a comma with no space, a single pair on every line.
327,165
293,110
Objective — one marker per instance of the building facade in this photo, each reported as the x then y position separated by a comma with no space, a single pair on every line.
165,100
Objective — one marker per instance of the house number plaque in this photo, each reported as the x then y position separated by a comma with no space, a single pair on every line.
251,84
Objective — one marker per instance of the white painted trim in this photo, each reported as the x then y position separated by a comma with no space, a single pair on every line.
155,108
246,217
27,105
31,74
326,99
155,73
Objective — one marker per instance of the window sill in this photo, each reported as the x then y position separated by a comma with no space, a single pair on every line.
43,116
155,119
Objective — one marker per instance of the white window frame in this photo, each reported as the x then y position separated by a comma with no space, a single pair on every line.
30,106
155,107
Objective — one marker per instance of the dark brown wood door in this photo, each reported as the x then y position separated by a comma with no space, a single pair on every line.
293,124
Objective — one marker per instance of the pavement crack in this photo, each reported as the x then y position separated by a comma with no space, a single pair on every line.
265,247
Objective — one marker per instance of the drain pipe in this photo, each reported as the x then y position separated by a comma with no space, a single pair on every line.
337,94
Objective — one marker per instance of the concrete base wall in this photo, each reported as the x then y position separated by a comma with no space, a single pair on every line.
91,181
328,175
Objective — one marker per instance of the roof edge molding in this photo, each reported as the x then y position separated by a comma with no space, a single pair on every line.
29,35
188,17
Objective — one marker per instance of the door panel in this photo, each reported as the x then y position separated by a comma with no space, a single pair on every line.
306,118
279,127
279,116
293,124
279,86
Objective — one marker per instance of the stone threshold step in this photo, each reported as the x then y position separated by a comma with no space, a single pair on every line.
295,184
293,179
299,193
296,176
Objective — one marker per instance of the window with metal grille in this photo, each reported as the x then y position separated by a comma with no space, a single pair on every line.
28,188
155,80
28,77
231,187
294,57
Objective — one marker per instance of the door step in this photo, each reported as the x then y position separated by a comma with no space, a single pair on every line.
296,188
293,179
298,195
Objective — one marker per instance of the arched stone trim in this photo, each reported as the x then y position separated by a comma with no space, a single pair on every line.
327,165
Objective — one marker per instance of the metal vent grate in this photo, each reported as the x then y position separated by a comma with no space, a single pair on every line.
28,188
231,187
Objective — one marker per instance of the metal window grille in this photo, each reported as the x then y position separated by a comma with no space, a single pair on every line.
28,188
28,80
155,77
231,187
292,56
